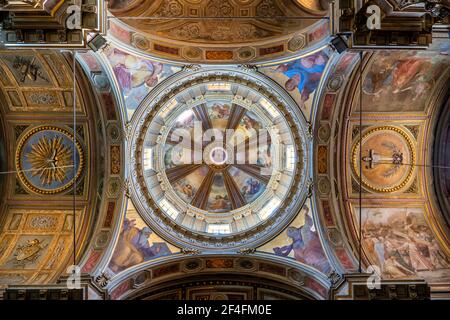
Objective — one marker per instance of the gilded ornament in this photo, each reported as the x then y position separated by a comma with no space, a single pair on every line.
45,160
29,252
50,159
393,156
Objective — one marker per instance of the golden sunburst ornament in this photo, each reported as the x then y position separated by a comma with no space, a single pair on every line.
45,160
50,160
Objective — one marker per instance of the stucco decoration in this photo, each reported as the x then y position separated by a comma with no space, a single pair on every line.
184,31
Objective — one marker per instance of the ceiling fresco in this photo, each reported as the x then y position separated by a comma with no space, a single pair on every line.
300,240
46,160
403,234
384,149
399,81
206,31
223,142
230,187
32,82
137,243
214,31
180,270
136,76
36,235
400,241
301,77
35,244
207,161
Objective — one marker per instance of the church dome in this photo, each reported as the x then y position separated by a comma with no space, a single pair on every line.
218,158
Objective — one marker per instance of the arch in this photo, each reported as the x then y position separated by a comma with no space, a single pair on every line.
186,32
337,131
441,159
36,110
159,273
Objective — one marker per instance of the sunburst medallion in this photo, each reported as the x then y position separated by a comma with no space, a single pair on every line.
50,160
45,160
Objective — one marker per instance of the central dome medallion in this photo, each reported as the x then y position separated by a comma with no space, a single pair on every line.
218,160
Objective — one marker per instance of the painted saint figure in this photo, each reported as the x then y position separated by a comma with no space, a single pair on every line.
251,187
132,72
133,247
220,111
306,246
135,76
304,74
220,202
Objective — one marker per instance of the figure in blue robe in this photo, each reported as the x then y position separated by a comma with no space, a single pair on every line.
305,79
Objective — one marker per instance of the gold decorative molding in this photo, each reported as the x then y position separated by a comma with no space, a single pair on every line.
411,164
55,150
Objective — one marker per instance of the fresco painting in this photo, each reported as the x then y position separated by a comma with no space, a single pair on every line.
300,241
219,111
108,165
186,120
248,127
404,80
250,187
218,200
400,243
176,154
136,76
187,187
301,77
137,243
264,159
219,114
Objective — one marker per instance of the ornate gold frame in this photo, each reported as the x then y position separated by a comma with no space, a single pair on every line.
232,239
405,181
20,146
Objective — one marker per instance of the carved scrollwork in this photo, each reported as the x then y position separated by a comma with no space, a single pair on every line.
190,251
102,280
246,251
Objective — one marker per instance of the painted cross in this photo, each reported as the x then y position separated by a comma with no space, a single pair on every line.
373,159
